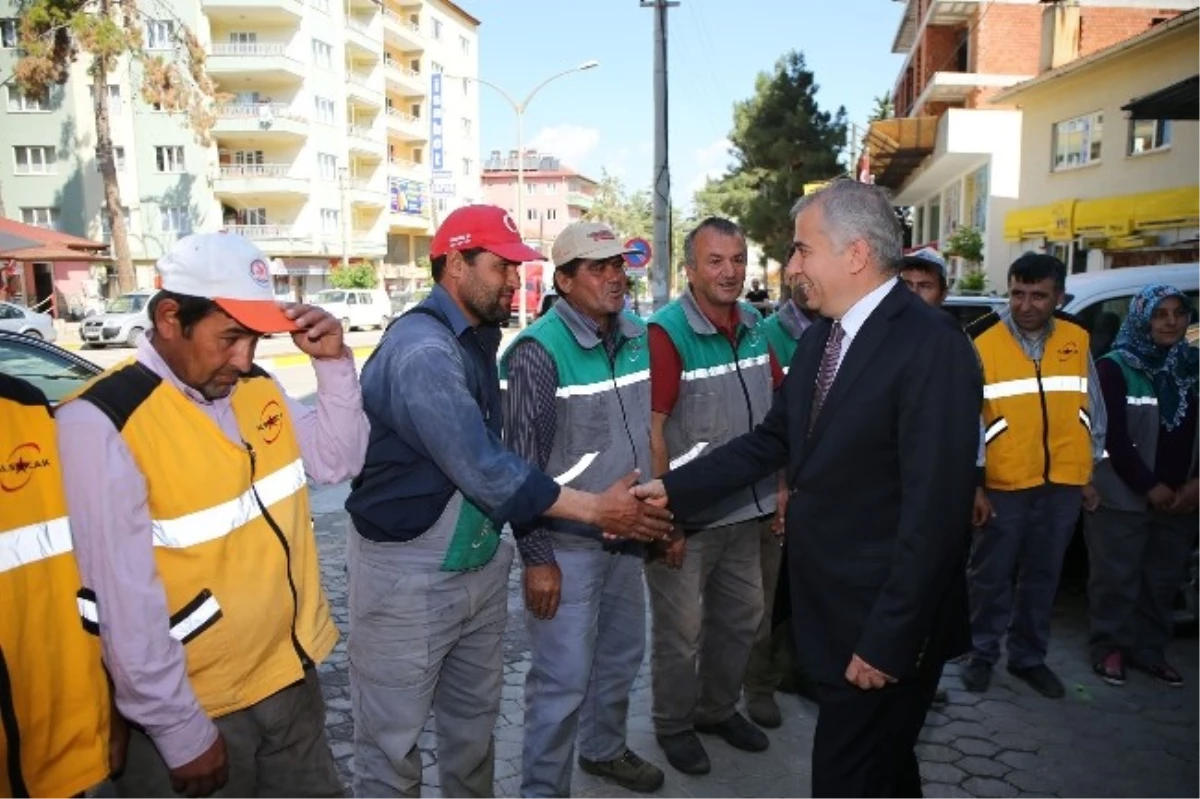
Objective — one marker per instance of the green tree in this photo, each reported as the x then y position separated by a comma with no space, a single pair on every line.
55,33
883,108
354,276
781,140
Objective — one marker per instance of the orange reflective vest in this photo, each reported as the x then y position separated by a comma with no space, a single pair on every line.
54,698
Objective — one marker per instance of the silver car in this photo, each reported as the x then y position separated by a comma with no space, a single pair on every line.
122,323
19,319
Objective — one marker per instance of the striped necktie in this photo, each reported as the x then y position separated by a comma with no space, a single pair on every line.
827,371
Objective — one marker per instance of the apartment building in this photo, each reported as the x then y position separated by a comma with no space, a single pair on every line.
952,155
324,151
555,195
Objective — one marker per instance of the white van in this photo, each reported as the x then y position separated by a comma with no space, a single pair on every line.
356,308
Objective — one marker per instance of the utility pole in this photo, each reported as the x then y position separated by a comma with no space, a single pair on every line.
663,262
852,135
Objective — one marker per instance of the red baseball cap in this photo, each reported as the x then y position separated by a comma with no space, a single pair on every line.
487,227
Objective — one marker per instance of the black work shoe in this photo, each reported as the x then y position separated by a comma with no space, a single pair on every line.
976,675
629,771
685,752
764,711
738,733
1040,679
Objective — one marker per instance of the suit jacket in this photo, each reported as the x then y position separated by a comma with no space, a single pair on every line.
881,492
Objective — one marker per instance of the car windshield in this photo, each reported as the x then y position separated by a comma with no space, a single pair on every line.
127,303
330,296
56,375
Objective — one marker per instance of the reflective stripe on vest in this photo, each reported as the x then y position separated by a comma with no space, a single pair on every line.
688,456
34,542
221,520
602,386
576,470
725,368
994,429
1029,385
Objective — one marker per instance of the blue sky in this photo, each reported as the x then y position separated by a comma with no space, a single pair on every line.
605,117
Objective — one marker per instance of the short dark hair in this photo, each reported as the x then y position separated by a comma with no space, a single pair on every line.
569,269
439,263
726,227
1034,267
191,309
927,268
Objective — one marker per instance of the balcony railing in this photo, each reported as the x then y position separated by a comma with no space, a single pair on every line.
253,49
254,170
261,231
579,199
403,164
361,27
407,24
259,111
403,72
403,116
360,80
364,184
361,132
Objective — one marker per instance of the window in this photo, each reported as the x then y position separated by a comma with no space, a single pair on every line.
437,30
39,160
322,54
118,154
40,217
168,159
160,34
106,223
440,204
418,155
465,44
242,37
324,110
114,97
466,126
327,166
415,110
531,214
551,188
466,166
415,65
251,216
329,221
435,67
248,157
20,101
1148,134
8,32
1077,141
551,214
531,188
174,219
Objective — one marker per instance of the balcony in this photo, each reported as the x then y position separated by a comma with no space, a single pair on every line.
273,12
406,126
897,147
365,141
364,39
260,180
577,199
404,80
958,87
403,167
277,120
366,193
401,32
360,90
267,62
276,239
940,12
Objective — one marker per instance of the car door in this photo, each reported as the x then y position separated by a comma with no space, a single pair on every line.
11,317
56,372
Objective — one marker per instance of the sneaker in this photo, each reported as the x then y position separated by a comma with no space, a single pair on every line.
764,711
1040,679
685,752
629,771
738,733
1111,668
1162,671
976,675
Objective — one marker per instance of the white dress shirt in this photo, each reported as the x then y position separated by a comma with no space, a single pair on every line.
856,316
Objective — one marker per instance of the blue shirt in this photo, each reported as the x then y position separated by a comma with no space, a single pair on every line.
431,393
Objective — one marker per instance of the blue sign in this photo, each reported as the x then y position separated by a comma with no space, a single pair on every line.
642,255
435,121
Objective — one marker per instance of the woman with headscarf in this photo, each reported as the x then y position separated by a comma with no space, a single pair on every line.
1140,536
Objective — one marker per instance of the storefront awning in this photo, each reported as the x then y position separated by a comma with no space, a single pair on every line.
1054,222
1178,101
1129,213
896,147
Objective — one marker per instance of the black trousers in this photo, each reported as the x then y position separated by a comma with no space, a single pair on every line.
864,740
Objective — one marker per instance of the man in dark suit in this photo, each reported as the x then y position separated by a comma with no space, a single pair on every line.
877,425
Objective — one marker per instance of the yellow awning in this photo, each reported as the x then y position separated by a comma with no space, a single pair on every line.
1055,222
1111,216
1166,209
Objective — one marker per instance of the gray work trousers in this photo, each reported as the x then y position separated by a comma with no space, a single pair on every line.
1137,562
762,675
705,616
423,639
276,747
1014,568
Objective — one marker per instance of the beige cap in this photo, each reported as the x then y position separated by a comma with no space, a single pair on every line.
591,240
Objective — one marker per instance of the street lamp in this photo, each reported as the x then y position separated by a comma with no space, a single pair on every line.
519,108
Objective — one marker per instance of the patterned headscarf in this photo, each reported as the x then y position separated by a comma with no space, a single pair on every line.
1172,370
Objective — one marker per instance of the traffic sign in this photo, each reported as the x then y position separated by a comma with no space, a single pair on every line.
642,255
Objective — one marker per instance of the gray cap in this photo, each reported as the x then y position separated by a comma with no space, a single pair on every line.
925,258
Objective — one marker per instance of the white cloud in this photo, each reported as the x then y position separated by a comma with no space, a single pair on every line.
712,161
571,144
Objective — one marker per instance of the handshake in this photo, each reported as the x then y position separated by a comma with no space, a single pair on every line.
631,511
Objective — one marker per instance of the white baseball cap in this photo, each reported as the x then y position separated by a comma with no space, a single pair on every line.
229,270
591,240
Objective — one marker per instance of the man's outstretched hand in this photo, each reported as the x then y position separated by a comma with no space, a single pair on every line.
621,512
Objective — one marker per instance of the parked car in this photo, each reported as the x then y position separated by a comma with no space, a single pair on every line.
357,308
19,319
966,308
123,321
57,372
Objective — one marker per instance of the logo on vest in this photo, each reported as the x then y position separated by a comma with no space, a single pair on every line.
1068,351
18,468
635,349
270,422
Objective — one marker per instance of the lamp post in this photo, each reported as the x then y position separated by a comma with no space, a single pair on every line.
519,109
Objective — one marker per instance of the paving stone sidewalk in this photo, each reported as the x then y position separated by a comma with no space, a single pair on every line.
1139,740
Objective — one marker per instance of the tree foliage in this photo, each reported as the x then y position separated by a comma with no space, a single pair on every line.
354,276
631,215
883,108
781,140
103,34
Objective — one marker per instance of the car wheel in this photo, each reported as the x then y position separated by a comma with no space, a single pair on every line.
132,338
32,333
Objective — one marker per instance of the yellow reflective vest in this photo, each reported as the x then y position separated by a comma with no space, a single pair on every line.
1036,424
54,699
233,538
